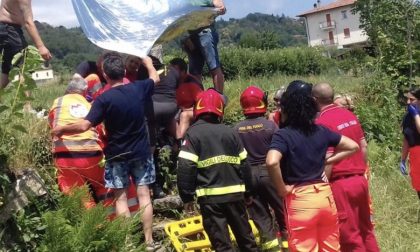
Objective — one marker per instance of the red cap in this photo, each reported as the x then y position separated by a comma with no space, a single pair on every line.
253,101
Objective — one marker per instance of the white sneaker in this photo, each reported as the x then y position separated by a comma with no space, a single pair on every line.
153,246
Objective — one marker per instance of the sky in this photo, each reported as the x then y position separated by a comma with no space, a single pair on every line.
60,12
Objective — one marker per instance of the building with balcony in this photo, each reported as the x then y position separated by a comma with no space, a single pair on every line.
334,25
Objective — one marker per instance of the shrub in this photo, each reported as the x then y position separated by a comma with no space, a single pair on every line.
379,110
247,62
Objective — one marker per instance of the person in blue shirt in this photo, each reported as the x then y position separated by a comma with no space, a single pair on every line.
296,161
122,110
411,143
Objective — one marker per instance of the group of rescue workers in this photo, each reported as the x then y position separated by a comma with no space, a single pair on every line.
299,174
310,173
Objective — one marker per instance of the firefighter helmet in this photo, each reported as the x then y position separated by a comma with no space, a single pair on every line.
186,94
209,101
253,101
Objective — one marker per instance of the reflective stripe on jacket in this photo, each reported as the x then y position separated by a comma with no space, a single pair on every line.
212,164
68,109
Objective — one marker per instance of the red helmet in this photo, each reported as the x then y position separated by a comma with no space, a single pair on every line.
209,101
186,94
253,101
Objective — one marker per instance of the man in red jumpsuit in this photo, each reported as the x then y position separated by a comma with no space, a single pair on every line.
77,156
348,183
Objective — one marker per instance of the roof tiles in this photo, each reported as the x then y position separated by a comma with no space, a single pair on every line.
334,5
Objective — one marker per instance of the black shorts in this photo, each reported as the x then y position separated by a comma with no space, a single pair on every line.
12,41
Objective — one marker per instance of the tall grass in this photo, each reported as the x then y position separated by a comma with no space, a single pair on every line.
234,88
45,95
395,203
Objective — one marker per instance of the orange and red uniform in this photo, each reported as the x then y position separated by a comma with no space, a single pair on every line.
76,156
349,185
310,209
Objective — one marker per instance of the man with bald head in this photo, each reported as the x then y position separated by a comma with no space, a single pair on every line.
348,183
13,15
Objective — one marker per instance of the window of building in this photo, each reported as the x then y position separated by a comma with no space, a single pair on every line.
47,74
36,75
347,33
344,14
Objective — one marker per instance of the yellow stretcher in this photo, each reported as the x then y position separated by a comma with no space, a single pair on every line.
189,235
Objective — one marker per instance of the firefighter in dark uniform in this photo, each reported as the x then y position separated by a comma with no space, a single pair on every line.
212,165
256,133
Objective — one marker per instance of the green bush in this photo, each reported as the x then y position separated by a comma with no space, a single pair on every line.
248,62
379,110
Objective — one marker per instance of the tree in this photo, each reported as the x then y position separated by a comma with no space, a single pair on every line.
393,27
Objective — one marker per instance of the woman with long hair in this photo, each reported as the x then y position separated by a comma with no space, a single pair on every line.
411,142
296,161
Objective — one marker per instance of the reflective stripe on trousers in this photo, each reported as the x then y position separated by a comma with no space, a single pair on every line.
220,190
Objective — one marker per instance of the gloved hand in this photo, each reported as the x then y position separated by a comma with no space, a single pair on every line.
412,110
89,98
403,168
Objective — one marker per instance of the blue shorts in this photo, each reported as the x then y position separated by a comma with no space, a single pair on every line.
205,51
117,173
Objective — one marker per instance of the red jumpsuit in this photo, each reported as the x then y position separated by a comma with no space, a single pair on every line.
76,156
349,185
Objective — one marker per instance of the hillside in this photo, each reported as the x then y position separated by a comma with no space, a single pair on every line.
261,30
70,46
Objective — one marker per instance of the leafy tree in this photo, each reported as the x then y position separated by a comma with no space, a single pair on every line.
68,46
393,27
281,31
249,40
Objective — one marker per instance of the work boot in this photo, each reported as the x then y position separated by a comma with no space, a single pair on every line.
158,192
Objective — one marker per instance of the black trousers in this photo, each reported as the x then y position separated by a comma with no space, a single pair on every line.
265,196
217,217
263,220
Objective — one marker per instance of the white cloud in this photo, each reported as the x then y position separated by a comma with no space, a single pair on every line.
55,12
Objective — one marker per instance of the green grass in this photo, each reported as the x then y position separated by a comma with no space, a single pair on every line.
395,203
44,96
233,89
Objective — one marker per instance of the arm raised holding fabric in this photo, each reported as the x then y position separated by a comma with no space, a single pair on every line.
220,6
148,64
